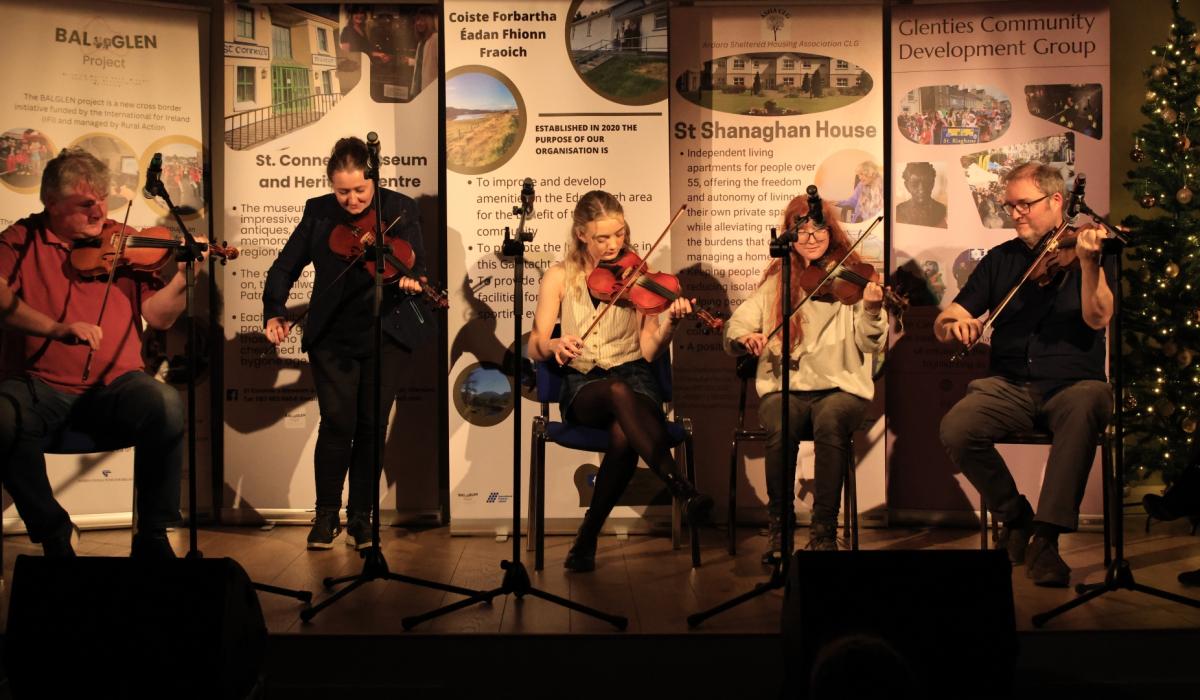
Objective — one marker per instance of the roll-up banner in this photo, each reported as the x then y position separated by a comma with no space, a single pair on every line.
298,78
123,84
765,101
572,95
976,89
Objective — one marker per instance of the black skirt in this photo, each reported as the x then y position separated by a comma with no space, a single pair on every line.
638,374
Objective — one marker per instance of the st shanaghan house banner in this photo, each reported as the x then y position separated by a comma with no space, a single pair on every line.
976,90
297,79
767,100
573,96
122,84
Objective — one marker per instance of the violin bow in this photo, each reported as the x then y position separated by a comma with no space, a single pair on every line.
828,275
1050,245
112,273
635,274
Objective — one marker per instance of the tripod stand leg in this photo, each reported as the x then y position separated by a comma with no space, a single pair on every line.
618,621
302,596
479,597
776,581
1042,618
309,613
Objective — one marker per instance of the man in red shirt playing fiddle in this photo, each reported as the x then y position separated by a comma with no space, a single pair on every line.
46,314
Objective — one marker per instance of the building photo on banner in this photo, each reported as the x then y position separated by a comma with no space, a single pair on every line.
297,78
966,109
121,86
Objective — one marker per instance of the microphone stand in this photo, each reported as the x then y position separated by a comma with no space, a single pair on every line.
780,247
1120,573
374,565
189,251
516,577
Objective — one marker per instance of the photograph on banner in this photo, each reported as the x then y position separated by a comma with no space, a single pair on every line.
566,95
765,102
288,65
773,84
24,153
1034,81
1075,107
954,114
485,119
921,196
619,49
984,172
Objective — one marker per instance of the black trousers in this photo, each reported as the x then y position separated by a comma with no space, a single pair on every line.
134,410
346,439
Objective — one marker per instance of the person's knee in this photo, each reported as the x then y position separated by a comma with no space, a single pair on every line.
621,392
955,430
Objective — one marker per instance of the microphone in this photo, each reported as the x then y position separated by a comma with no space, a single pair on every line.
816,212
1076,205
372,155
527,197
153,177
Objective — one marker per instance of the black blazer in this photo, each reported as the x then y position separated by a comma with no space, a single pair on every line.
404,320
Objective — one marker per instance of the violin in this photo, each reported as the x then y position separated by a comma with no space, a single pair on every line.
625,281
122,246
1060,258
847,283
349,241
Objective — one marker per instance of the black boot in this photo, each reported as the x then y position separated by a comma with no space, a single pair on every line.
696,505
582,557
1183,498
822,536
774,537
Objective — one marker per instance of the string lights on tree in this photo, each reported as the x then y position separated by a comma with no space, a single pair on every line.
1161,347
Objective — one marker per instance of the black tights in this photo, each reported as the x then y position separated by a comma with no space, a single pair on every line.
636,428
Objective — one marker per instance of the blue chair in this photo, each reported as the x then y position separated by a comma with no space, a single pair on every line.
577,437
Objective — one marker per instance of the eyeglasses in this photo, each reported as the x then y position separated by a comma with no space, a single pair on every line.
819,235
1021,208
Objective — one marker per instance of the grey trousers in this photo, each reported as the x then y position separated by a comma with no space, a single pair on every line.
995,407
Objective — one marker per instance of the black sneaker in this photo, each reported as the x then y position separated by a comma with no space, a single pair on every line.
62,546
326,527
1046,567
1014,536
151,546
358,531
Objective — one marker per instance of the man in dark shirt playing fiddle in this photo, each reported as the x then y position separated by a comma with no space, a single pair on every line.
1046,372
42,388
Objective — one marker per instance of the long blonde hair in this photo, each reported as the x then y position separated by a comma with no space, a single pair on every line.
593,206
798,207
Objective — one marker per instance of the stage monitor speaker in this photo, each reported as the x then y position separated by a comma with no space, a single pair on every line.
113,627
899,624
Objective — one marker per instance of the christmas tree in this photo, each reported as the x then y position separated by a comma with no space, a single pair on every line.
1161,315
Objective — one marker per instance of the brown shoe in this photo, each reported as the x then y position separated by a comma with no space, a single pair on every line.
1046,567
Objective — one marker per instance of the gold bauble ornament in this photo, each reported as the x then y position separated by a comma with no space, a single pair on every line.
1166,409
1169,115
1131,402
1172,270
1184,358
1183,143
1189,425
1183,196
1152,96
1144,275
1136,154
1147,201
1159,72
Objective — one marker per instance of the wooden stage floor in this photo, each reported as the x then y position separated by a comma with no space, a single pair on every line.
641,578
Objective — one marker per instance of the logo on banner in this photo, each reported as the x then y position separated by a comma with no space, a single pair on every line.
776,18
497,497
467,497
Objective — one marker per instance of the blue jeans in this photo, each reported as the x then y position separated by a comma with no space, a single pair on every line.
134,409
